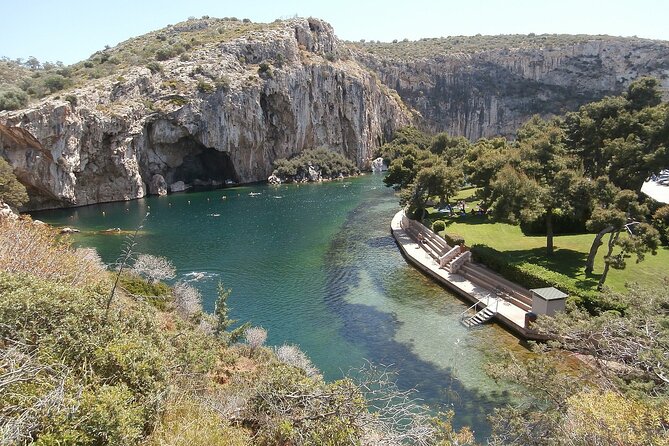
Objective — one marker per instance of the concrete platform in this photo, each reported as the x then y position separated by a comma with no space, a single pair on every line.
508,315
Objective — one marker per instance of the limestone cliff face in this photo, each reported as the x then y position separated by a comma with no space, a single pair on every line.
492,92
234,105
222,116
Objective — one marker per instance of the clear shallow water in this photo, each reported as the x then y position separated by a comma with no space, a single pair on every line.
316,266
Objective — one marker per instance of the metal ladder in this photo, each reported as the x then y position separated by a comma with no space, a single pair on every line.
480,316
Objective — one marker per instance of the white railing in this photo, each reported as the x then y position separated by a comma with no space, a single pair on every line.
450,255
485,303
457,263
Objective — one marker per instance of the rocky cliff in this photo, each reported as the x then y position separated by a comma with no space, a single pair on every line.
223,114
212,101
481,92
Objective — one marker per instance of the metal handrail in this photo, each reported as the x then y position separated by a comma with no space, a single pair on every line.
463,315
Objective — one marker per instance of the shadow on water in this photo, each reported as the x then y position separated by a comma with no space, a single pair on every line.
348,257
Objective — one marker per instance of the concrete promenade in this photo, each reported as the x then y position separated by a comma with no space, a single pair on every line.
507,314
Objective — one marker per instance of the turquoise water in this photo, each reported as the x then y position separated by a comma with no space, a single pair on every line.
316,266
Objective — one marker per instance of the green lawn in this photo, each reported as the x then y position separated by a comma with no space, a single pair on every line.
570,253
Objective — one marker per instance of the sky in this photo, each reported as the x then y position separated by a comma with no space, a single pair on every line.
71,30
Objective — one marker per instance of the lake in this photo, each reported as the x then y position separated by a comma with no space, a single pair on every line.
316,266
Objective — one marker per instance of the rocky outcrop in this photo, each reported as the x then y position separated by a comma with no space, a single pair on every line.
492,92
6,212
234,105
223,116
158,185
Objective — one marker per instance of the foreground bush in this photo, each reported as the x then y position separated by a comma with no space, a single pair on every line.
26,247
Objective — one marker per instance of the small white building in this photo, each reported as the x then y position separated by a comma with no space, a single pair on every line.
547,301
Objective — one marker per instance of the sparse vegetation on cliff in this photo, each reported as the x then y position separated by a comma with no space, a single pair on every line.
432,47
314,165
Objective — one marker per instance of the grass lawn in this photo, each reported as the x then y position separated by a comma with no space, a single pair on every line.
570,254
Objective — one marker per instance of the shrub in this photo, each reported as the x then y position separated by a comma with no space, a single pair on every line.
154,67
72,99
38,250
265,69
165,53
438,226
153,268
454,239
530,275
204,86
155,293
187,300
255,337
12,98
12,191
55,82
293,356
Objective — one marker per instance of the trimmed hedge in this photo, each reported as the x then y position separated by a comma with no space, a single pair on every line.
454,239
530,275
438,226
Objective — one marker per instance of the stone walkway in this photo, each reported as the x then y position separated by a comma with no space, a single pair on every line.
508,314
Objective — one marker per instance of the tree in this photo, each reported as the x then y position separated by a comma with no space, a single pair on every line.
223,321
12,191
432,180
404,137
483,161
644,92
639,239
404,168
539,180
451,149
620,214
12,98
661,223
613,210
622,137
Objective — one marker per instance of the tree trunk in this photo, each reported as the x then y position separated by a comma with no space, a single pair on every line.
607,264
549,232
596,243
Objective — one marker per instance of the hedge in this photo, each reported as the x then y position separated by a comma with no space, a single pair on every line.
530,275
438,226
454,239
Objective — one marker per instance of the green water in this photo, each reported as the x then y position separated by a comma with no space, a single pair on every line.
316,266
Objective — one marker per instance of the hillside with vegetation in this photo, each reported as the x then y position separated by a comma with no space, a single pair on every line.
211,101
98,356
539,210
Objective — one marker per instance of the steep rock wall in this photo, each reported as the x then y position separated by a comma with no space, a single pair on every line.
222,108
492,92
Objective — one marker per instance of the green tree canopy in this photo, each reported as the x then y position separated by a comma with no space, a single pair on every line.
540,178
11,191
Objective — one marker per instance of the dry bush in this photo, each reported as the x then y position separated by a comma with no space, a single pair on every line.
37,249
189,421
255,337
293,356
187,300
153,268
30,409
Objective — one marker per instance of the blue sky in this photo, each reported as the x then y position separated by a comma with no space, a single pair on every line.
71,30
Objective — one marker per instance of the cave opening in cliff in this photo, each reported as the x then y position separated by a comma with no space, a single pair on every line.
203,166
